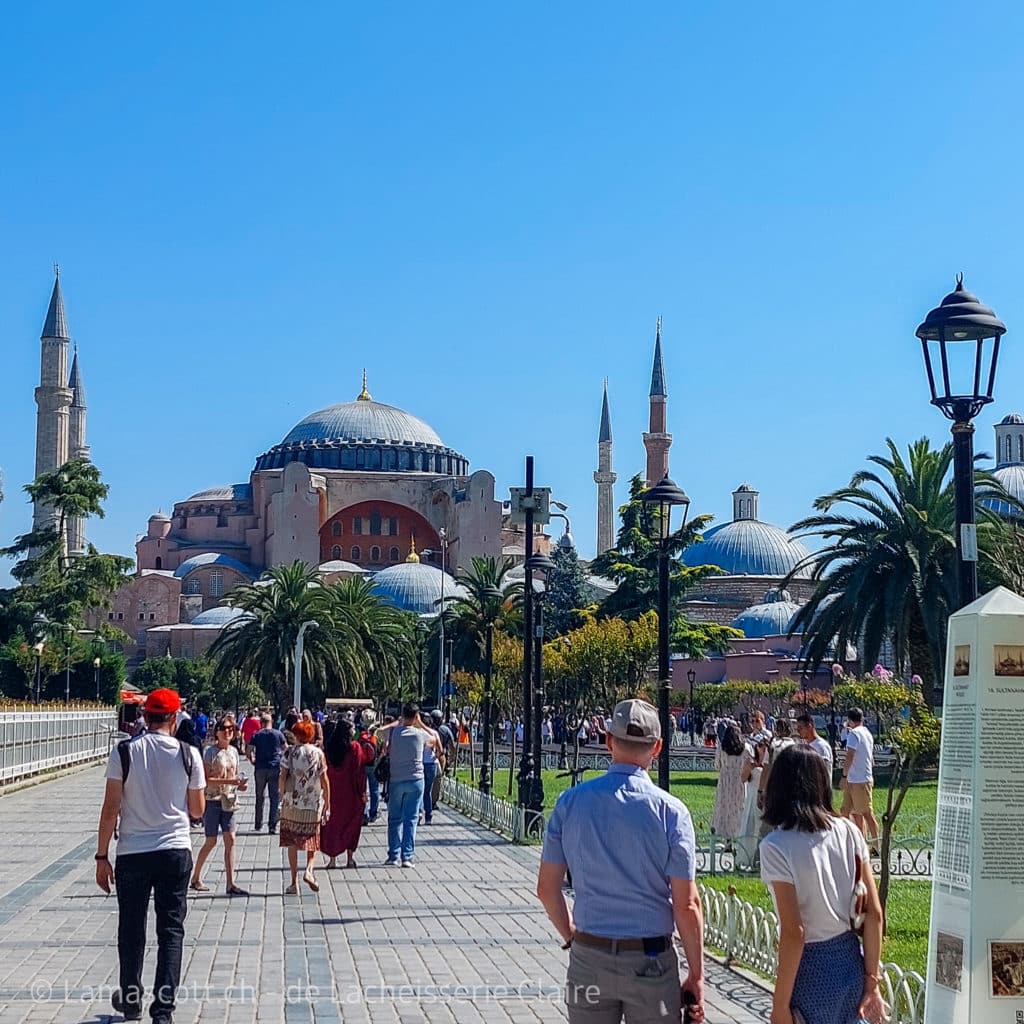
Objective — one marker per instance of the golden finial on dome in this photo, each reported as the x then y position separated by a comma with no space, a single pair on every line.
364,395
413,557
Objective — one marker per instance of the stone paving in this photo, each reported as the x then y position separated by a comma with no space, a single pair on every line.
458,938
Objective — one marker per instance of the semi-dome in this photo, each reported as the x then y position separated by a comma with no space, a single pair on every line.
214,558
415,587
220,616
770,618
748,547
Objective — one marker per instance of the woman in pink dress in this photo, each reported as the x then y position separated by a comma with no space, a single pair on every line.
346,763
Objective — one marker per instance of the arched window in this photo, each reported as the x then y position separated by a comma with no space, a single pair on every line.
357,525
159,562
394,555
348,458
1020,447
375,523
405,460
336,552
390,460
193,587
356,553
393,526
216,583
375,554
1009,449
336,528
360,458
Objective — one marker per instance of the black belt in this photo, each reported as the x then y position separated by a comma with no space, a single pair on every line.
651,946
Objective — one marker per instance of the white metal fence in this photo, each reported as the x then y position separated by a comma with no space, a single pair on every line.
745,934
37,741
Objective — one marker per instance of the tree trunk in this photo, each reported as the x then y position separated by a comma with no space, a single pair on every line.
922,662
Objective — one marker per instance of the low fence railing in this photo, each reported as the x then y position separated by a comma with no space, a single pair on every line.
746,935
38,741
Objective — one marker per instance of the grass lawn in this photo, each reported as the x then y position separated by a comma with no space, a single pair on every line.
905,944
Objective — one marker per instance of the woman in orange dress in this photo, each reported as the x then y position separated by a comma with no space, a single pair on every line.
346,761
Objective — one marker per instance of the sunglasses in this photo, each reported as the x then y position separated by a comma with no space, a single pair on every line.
225,728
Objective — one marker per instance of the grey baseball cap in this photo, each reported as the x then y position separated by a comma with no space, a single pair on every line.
636,720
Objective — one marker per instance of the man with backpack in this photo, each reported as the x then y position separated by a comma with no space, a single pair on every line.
367,737
154,783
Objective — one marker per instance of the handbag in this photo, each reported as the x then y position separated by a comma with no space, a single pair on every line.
382,769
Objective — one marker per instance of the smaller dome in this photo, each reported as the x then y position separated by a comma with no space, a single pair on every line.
746,489
339,565
415,587
220,616
1012,480
770,618
749,547
214,558
159,517
226,492
1011,419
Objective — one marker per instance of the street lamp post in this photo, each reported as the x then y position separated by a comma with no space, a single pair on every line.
542,565
661,498
39,647
300,644
960,317
494,598
96,675
526,764
691,678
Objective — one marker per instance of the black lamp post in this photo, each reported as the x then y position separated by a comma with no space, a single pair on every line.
662,497
490,594
960,317
538,564
96,675
422,639
691,678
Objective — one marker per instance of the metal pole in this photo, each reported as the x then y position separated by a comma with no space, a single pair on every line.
420,693
526,762
963,485
449,656
96,673
67,675
664,683
537,794
440,644
39,663
300,643
485,768
690,716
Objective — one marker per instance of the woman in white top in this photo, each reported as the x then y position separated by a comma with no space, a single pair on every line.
810,863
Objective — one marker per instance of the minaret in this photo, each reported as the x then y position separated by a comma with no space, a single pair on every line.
657,440
605,480
53,397
77,449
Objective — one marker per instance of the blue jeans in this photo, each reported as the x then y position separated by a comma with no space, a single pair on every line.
371,781
404,799
429,774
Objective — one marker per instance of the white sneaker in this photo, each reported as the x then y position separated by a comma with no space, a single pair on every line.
407,863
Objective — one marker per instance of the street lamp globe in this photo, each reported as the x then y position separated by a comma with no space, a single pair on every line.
664,496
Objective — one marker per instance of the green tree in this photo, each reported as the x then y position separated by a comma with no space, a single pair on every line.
633,564
489,600
888,568
566,593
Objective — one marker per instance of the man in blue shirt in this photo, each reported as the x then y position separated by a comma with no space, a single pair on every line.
265,752
630,848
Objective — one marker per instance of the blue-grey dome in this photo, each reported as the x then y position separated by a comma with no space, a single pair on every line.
415,587
220,616
748,547
363,420
770,618
226,492
1012,418
1011,478
213,558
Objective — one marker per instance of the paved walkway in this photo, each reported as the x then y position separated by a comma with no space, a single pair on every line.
459,938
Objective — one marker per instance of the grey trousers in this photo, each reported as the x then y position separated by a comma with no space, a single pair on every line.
605,988
267,778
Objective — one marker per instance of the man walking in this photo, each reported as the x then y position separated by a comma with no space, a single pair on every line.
859,775
809,734
630,849
154,783
265,752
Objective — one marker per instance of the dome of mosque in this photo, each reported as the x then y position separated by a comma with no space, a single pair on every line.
226,492
415,587
213,558
770,618
363,420
220,616
1011,478
1012,419
748,547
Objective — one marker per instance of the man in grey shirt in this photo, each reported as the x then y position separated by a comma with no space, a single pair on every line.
405,743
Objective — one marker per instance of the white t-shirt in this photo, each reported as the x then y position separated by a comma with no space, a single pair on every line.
154,808
860,755
819,746
821,867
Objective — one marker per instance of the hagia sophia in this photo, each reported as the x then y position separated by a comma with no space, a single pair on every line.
364,488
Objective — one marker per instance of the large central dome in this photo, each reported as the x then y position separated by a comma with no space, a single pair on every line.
363,420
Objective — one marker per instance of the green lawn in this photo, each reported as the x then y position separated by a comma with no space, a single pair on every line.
909,907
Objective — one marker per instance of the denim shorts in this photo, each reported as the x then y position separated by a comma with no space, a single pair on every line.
215,817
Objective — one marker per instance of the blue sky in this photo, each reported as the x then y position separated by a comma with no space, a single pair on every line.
488,207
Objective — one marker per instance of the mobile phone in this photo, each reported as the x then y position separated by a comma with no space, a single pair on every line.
689,999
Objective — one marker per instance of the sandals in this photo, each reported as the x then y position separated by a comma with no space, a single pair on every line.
234,890
311,882
292,890
198,887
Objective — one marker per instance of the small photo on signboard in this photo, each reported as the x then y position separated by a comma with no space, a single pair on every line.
1007,959
949,960
1009,659
962,660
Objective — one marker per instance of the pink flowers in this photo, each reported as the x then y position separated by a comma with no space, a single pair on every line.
916,680
837,670
881,672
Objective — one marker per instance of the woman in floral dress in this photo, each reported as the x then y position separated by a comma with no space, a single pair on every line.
730,760
305,802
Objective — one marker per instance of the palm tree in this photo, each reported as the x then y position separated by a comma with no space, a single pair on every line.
261,645
888,569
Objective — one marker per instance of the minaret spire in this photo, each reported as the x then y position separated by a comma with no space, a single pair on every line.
77,449
605,479
53,396
657,440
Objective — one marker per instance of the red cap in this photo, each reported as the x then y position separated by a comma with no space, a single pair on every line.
162,702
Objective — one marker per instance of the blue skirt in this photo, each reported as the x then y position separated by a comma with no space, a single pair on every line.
830,981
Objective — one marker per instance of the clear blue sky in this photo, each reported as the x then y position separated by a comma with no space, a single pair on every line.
488,207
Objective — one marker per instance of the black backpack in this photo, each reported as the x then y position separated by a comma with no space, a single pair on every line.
126,760
382,769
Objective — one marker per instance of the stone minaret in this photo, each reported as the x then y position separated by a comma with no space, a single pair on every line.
605,480
53,398
657,440
77,449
